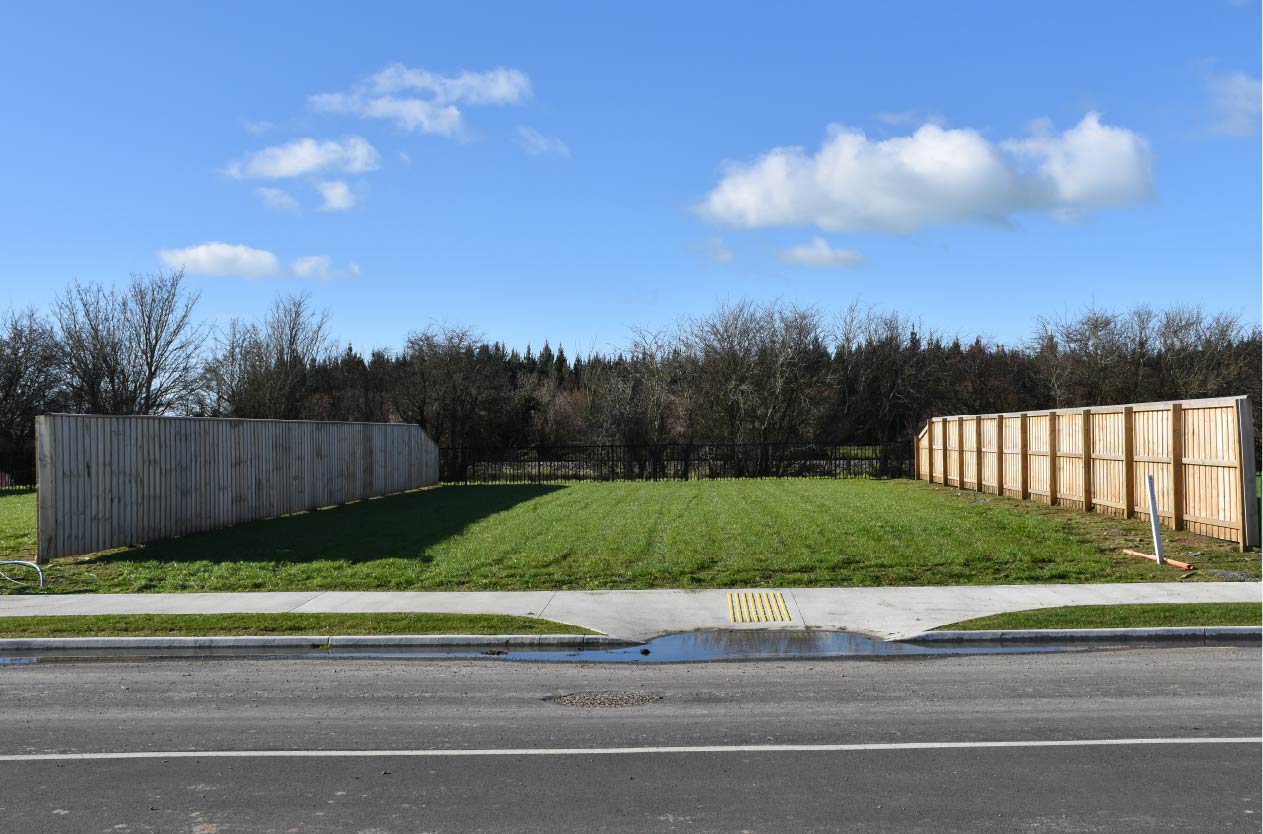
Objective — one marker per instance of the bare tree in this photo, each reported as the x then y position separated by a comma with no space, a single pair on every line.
265,370
452,386
134,352
30,384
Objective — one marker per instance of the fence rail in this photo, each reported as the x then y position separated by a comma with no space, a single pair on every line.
674,461
112,481
1200,453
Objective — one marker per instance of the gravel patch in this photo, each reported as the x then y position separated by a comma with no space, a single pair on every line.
604,699
1232,575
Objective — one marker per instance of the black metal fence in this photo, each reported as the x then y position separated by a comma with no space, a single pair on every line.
675,461
17,465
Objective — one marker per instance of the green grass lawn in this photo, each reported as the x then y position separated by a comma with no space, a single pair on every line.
640,535
1121,616
203,625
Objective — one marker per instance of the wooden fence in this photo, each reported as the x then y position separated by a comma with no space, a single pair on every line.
1097,459
111,481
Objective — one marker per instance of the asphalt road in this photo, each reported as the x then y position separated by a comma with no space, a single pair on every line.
488,710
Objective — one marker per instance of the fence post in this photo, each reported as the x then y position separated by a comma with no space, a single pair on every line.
1245,460
999,454
932,468
1087,459
978,453
1177,466
1129,464
44,493
1052,458
1023,458
942,439
929,450
960,453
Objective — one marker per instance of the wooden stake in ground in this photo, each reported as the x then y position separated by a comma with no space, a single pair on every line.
1157,534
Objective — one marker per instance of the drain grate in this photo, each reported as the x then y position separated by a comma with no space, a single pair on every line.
757,607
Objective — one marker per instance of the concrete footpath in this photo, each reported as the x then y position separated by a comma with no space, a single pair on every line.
890,613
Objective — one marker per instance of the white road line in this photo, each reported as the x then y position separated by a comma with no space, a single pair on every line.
614,751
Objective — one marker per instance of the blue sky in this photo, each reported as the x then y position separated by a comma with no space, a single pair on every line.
565,171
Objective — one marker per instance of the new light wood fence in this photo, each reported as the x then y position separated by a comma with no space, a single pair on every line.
1097,459
111,481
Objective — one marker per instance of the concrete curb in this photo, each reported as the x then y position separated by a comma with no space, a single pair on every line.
473,641
1092,635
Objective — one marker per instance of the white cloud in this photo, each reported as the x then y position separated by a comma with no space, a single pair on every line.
1087,166
497,86
353,155
1236,98
714,249
321,268
337,195
934,176
313,266
411,114
421,101
218,258
276,198
537,144
819,253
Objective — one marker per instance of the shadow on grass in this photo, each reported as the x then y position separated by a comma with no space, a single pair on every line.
396,526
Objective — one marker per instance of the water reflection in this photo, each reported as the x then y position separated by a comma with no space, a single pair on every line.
686,647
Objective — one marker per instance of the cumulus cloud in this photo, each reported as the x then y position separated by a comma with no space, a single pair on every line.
422,101
819,253
1236,99
935,176
218,258
352,155
337,195
228,259
537,144
275,198
1088,166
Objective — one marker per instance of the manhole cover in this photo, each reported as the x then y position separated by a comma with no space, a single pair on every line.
604,699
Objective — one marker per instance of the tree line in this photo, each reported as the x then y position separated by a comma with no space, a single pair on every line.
747,372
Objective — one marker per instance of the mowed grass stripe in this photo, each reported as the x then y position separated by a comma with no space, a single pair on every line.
699,534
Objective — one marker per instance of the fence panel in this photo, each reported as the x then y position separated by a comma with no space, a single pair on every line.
1201,454
109,481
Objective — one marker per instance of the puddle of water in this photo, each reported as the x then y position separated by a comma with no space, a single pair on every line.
695,646
686,647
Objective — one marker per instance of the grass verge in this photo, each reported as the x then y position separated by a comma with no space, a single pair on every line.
1120,616
207,625
695,534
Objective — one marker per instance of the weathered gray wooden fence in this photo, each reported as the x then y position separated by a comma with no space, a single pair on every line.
111,481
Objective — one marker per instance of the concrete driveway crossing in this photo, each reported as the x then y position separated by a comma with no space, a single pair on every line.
640,615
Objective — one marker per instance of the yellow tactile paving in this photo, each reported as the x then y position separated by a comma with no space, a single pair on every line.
757,607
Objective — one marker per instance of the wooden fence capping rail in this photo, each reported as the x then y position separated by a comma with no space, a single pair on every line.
106,481
1200,452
